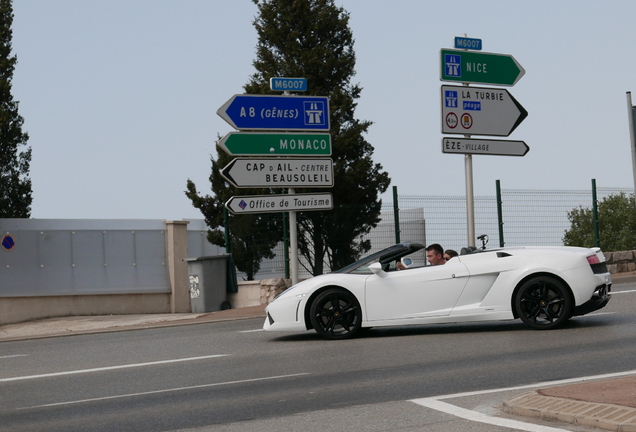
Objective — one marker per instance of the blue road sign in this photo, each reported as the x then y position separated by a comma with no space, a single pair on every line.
273,112
288,84
467,43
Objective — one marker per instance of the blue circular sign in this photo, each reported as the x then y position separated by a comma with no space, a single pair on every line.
7,242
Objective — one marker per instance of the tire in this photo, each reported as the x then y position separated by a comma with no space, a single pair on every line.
336,314
543,303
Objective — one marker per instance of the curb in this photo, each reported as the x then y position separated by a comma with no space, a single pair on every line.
591,414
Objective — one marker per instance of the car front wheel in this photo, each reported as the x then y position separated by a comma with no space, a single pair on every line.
336,314
543,303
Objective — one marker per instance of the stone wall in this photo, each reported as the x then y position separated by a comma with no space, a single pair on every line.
260,292
270,288
621,262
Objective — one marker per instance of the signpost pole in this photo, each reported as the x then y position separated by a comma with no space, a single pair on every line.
631,114
293,235
482,111
470,198
293,243
470,201
297,117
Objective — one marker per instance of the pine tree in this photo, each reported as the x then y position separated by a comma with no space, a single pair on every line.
311,39
15,156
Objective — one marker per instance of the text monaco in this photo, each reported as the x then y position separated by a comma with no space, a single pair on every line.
308,144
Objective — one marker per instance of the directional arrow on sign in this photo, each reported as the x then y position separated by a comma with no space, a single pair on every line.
276,144
480,111
480,67
484,147
276,112
279,172
279,203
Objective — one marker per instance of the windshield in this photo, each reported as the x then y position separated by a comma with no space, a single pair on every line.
386,257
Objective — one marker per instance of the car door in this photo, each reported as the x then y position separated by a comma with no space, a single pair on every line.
415,292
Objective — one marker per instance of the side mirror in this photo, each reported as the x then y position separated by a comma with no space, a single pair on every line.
406,262
376,269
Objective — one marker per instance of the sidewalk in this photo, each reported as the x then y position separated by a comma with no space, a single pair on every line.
75,325
606,404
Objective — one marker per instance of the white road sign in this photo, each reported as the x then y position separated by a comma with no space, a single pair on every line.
484,147
480,111
279,172
279,203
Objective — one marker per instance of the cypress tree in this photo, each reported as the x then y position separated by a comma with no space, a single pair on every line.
15,155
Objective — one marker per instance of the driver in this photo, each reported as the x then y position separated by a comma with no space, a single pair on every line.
435,254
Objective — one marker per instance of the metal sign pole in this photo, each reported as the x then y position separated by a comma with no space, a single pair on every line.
632,133
470,201
470,198
293,236
293,243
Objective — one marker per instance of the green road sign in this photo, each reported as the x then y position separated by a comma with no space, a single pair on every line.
276,144
479,67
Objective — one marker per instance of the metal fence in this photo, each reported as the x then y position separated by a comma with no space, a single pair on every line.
529,218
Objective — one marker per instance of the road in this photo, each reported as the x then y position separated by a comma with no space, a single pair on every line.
232,376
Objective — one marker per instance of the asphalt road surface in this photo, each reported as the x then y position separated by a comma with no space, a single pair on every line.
232,376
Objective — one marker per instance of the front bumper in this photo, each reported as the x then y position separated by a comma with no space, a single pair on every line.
285,315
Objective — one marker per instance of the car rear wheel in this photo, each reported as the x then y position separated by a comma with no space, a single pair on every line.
543,303
336,314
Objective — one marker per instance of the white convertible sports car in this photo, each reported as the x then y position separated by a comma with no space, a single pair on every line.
544,286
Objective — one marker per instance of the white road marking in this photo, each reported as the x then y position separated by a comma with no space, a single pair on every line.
12,356
108,368
483,418
165,391
436,404
622,292
252,331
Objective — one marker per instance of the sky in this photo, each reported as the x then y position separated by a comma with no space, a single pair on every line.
119,97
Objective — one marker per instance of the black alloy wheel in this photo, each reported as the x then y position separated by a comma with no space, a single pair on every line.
336,314
543,303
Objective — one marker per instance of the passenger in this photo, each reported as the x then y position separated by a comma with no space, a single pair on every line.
435,254
449,253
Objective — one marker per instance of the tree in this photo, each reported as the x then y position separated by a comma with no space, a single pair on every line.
312,39
15,156
616,224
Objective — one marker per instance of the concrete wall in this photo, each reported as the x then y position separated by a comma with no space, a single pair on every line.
23,300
